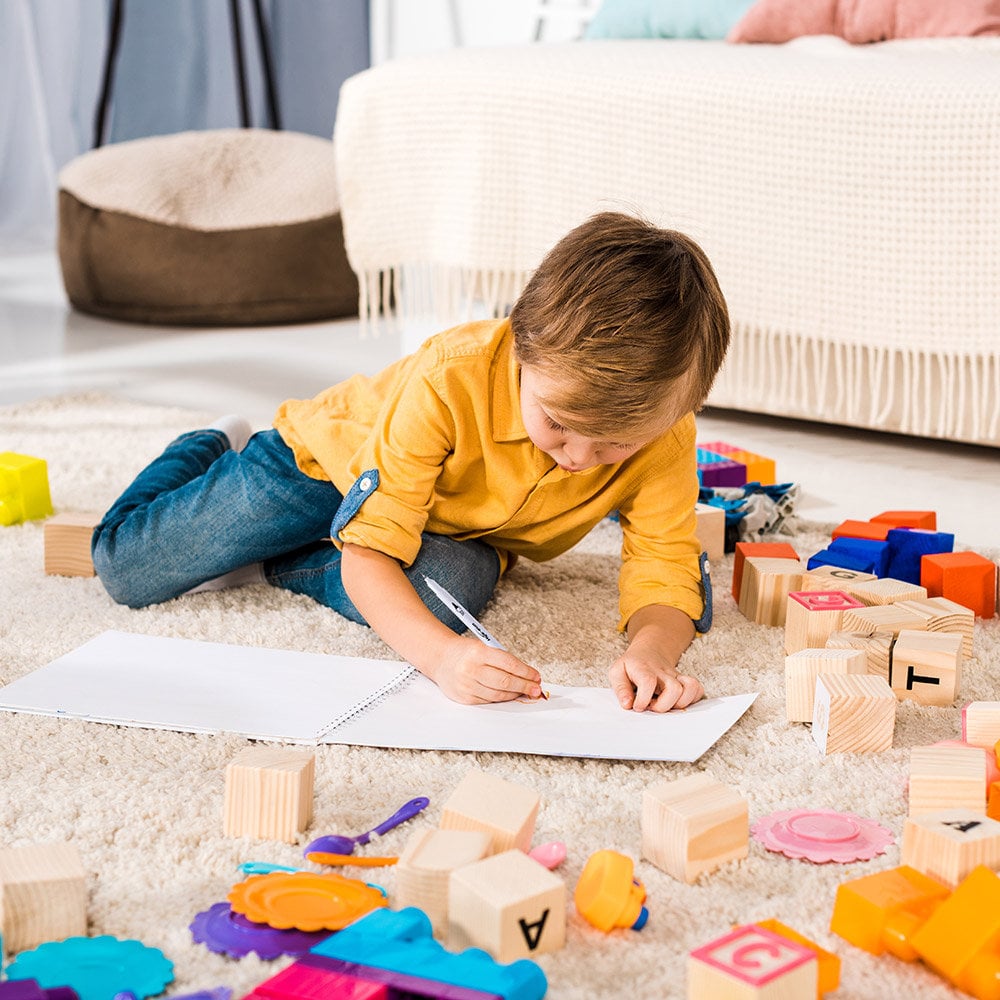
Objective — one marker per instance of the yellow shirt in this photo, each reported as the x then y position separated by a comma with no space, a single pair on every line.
443,428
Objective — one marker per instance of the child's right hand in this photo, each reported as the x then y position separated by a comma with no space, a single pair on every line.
473,673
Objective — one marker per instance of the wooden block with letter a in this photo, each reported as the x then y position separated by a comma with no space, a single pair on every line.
948,844
751,963
853,713
67,544
945,777
693,824
803,667
507,904
812,615
927,667
765,588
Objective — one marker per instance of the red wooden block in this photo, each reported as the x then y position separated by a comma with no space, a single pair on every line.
771,550
876,531
966,578
926,519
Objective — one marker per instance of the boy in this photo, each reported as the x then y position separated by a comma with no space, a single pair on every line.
494,440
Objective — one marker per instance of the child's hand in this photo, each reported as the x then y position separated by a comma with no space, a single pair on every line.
473,673
643,680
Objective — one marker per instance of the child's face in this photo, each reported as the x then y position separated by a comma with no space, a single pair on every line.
571,451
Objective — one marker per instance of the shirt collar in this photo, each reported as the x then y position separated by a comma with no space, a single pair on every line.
505,388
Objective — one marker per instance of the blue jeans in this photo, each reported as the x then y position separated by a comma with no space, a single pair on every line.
201,510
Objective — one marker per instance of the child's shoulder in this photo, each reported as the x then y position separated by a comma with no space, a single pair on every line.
479,338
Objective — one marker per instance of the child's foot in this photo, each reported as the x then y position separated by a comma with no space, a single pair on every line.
242,577
236,428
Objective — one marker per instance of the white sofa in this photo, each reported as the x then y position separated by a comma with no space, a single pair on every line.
849,197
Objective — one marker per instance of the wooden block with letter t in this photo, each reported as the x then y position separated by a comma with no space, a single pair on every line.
946,777
803,667
812,615
927,667
948,844
693,824
765,588
67,544
853,713
507,904
877,648
752,963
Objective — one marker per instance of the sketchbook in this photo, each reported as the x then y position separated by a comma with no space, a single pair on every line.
188,685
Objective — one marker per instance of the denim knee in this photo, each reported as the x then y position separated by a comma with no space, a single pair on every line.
125,580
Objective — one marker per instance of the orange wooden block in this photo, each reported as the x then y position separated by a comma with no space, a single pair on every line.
774,550
882,912
873,530
926,519
967,578
959,939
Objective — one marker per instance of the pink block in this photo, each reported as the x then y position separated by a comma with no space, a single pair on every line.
754,955
825,600
303,982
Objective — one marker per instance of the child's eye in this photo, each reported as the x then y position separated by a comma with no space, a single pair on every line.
555,426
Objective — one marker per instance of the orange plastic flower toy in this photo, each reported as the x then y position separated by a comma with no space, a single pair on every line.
607,894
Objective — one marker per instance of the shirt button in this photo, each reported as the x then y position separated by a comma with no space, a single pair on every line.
365,485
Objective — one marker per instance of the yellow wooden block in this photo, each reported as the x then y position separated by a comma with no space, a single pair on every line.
43,895
853,713
505,810
949,843
944,777
269,793
693,824
507,904
805,665
927,667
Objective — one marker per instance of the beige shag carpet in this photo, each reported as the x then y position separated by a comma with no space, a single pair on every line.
144,807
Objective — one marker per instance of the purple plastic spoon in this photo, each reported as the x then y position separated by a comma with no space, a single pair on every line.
335,844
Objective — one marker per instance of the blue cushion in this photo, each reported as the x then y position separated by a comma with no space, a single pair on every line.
666,18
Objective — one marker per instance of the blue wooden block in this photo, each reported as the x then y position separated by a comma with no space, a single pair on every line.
877,553
840,558
907,546
402,941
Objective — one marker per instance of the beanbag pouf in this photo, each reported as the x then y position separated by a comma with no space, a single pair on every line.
222,227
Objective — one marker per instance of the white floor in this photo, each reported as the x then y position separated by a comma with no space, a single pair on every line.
47,349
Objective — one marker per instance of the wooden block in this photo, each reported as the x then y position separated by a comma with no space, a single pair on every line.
812,615
805,665
888,591
24,488
835,578
877,648
43,895
711,530
889,618
765,588
981,724
505,810
939,614
947,778
853,713
924,519
829,964
269,793
693,824
424,869
949,843
751,963
509,905
993,801
744,550
966,578
926,667
67,544
861,529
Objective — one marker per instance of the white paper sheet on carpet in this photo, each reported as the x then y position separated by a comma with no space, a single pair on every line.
283,695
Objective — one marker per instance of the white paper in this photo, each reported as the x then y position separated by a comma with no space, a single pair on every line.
268,694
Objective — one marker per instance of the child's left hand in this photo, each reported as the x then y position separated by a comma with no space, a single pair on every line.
640,684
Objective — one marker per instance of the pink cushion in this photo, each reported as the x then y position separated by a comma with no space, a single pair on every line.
860,21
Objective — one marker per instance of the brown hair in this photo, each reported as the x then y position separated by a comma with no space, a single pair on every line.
627,320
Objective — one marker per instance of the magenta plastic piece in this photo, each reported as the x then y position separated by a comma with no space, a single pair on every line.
822,835
403,982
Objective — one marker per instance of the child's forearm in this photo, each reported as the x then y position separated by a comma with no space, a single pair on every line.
665,628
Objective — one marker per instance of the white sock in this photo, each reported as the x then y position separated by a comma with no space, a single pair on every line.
236,428
242,577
